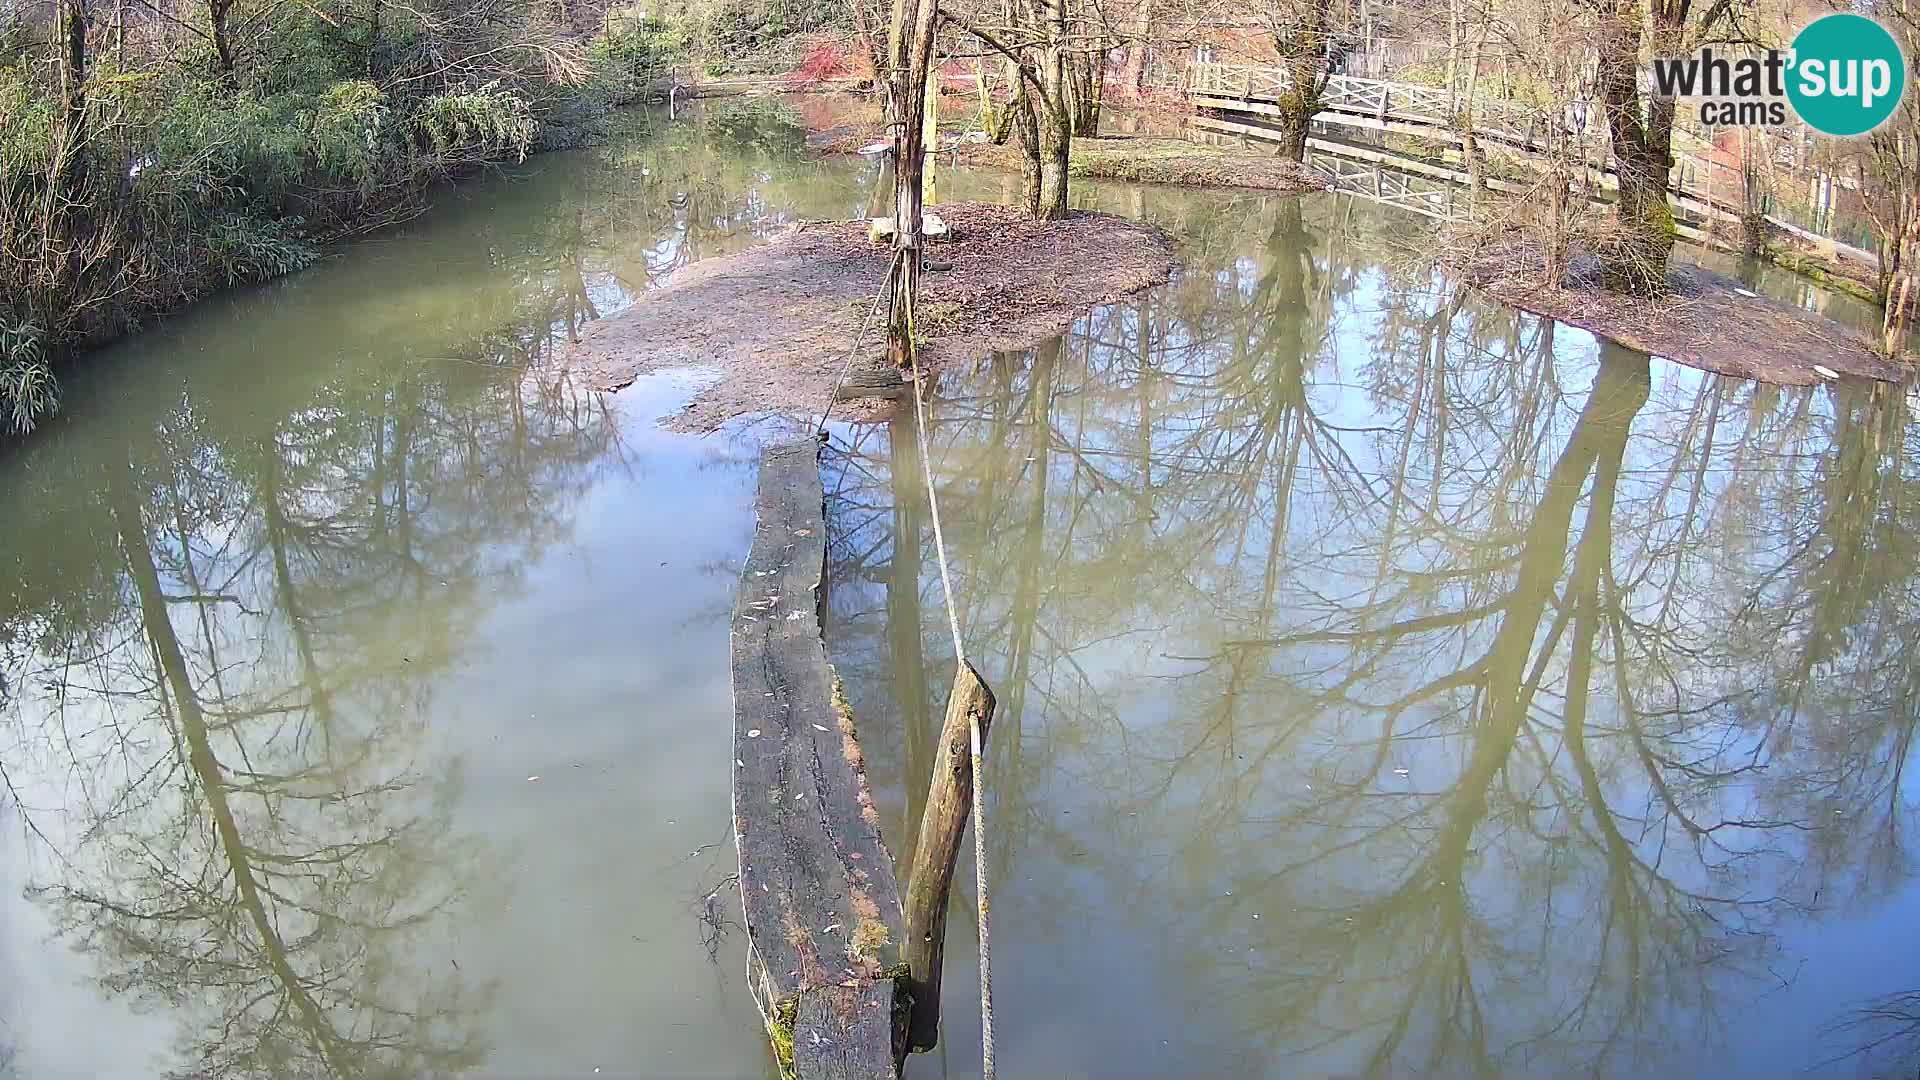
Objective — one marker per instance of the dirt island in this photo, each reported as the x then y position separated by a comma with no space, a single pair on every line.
775,324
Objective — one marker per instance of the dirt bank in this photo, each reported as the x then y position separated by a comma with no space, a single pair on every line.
775,323
1705,320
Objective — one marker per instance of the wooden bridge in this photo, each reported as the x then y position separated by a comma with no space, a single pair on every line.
1409,108
1242,97
1422,187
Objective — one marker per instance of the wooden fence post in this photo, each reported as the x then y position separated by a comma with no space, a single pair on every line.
942,822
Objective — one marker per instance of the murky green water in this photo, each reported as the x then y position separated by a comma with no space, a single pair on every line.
366,689
1388,685
1393,686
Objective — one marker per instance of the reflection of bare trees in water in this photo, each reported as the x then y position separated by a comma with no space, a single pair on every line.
722,178
1521,712
7,1051
257,828
1883,1033
216,683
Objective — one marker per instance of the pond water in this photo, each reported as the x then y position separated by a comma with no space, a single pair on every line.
366,687
1389,684
1394,685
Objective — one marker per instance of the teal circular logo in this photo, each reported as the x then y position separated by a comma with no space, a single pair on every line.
1846,75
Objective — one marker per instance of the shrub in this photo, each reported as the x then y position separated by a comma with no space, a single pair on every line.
349,133
174,179
824,61
27,390
251,249
637,50
474,127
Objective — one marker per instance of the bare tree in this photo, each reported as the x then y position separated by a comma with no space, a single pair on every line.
1634,259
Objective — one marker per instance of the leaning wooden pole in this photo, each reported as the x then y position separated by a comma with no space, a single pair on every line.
942,823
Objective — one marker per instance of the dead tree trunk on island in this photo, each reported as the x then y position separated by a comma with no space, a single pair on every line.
915,38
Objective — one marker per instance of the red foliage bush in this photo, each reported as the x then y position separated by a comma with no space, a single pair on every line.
824,61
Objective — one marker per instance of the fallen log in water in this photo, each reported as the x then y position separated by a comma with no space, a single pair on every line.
817,884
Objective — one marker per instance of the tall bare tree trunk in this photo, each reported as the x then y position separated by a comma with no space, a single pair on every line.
66,211
1903,292
1754,177
222,42
1133,78
1302,45
1467,117
1027,123
867,37
70,37
1634,260
1054,115
915,43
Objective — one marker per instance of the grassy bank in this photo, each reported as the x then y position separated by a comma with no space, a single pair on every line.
146,161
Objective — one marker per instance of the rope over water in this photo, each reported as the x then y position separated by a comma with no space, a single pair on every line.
883,296
979,809
960,661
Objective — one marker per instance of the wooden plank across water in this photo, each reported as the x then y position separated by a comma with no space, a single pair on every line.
817,884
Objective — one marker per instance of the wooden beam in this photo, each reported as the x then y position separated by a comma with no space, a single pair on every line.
816,883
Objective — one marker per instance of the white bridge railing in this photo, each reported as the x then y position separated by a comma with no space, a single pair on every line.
1379,103
1382,100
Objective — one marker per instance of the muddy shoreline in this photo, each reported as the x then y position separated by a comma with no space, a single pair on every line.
1704,320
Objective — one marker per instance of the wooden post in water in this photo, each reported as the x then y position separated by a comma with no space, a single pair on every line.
949,802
